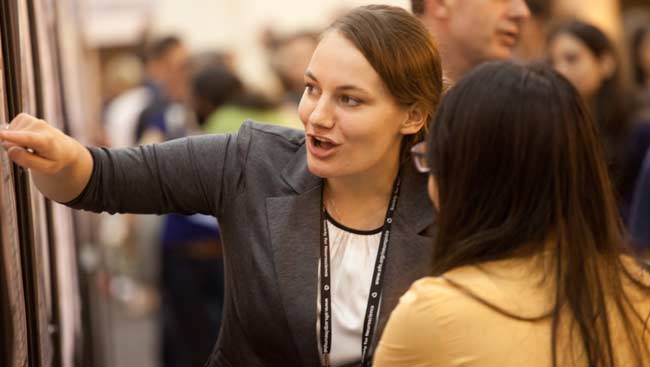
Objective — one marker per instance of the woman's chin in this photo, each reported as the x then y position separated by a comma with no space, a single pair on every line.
319,169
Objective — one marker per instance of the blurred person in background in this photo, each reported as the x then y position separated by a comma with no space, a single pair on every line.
122,110
289,57
212,58
214,86
165,81
640,215
222,102
133,240
640,141
534,32
471,32
246,105
192,274
288,199
164,67
640,47
191,267
166,115
530,264
586,57
191,287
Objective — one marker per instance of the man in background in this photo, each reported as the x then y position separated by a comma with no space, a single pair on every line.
165,64
470,32
166,115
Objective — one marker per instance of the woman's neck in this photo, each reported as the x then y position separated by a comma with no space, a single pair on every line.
360,201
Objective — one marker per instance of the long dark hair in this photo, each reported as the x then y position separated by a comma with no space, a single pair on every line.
611,107
519,165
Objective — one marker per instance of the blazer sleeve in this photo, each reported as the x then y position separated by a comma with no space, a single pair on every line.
186,176
414,335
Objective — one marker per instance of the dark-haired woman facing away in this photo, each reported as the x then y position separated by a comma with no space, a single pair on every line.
528,262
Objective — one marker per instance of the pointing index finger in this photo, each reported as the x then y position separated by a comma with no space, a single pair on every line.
28,139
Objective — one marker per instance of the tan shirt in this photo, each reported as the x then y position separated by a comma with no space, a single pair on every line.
437,324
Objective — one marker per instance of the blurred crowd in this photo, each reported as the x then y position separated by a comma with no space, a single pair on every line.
160,90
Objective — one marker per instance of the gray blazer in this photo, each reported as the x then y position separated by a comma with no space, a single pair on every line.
268,204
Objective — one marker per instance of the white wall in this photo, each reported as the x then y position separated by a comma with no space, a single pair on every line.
604,13
206,23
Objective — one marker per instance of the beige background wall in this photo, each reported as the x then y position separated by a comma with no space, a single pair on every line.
211,24
236,24
605,13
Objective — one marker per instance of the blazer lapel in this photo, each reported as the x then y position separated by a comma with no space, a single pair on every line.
294,226
294,222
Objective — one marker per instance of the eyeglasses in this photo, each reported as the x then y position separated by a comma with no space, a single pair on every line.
419,154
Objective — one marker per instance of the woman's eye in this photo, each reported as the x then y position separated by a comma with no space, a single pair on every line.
309,88
349,101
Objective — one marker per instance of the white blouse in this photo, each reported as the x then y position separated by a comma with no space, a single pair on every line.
353,255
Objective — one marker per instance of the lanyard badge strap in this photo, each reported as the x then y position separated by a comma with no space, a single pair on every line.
374,297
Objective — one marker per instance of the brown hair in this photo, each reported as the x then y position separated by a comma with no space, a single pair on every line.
401,51
519,164
159,48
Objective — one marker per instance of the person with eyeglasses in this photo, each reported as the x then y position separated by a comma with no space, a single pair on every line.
322,230
530,262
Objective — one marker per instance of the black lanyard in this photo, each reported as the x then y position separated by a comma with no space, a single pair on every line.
374,297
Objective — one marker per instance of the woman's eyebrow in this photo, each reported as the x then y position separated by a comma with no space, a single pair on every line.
346,87
351,87
310,75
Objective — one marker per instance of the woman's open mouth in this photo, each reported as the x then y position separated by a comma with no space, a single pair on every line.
321,147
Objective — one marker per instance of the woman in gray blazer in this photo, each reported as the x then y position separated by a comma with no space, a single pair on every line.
324,229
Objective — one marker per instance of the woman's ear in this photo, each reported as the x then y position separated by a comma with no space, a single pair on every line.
415,120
